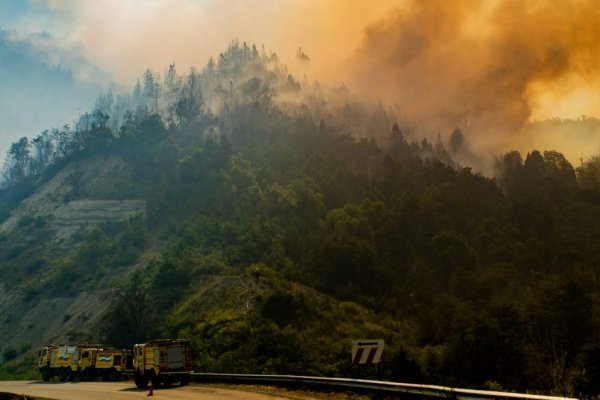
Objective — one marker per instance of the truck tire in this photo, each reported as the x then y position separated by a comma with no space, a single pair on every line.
110,375
62,374
89,374
46,374
156,380
140,380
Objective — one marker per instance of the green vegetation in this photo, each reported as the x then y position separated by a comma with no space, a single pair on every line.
272,238
25,369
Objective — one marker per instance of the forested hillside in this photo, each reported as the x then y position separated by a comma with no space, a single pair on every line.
283,219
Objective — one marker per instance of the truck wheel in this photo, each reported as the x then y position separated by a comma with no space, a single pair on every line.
62,374
88,375
45,374
112,375
140,380
107,376
156,380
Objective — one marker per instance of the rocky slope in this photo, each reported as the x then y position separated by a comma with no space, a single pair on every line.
49,317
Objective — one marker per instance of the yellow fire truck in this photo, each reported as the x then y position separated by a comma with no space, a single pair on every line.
84,361
58,361
107,363
163,361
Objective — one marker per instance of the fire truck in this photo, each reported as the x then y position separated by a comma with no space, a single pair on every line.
58,361
85,361
164,361
108,363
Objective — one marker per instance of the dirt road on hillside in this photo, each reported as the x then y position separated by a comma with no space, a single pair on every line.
126,390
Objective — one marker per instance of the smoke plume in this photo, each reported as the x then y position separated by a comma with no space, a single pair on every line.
486,67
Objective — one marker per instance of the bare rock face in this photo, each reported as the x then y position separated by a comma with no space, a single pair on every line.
86,213
66,201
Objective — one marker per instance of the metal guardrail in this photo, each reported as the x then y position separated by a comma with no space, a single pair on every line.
383,387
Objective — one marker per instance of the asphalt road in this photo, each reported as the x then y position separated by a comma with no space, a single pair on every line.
124,391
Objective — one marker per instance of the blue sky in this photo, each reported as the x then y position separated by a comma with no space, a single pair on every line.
11,10
34,16
37,91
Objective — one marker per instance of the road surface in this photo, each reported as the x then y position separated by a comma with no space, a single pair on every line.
127,390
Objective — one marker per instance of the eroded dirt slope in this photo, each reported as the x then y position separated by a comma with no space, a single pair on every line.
71,203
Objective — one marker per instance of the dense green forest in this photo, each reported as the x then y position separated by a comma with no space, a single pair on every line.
259,187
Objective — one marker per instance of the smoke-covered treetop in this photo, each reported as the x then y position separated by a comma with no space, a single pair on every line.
195,103
487,67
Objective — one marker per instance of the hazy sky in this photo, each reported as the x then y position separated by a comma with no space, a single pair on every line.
489,66
127,36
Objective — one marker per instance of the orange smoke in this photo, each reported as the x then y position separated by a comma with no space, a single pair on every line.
495,63
491,63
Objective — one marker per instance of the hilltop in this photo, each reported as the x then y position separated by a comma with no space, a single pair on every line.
273,220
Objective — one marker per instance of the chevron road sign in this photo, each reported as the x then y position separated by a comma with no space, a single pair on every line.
367,351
